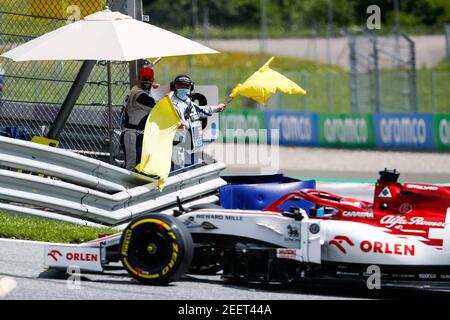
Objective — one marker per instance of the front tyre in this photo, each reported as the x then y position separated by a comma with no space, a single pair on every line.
156,249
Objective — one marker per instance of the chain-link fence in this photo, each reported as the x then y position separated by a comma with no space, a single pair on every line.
33,92
383,73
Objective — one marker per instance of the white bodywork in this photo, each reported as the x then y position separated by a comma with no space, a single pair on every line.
75,257
307,241
271,228
378,245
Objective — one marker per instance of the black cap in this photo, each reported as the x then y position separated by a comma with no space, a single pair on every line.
182,78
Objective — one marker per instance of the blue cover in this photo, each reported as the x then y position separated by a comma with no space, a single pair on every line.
258,192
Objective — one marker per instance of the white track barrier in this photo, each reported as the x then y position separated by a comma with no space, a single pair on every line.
83,190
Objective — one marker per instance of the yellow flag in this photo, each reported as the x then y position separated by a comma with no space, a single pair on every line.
264,83
159,132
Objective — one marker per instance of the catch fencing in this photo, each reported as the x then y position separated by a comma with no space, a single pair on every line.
383,73
383,78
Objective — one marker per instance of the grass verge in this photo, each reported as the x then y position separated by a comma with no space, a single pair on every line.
29,228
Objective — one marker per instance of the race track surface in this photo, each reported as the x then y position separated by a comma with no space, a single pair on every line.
21,261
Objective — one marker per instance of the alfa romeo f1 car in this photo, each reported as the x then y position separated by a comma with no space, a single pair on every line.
304,235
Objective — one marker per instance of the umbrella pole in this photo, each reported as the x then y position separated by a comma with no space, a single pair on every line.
110,129
71,99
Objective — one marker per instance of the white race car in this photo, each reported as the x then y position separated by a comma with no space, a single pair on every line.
402,238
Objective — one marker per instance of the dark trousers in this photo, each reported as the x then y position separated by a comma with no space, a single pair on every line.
131,142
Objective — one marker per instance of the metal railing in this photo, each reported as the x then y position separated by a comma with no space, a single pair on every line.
89,190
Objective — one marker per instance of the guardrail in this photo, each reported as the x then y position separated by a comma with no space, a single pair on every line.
88,191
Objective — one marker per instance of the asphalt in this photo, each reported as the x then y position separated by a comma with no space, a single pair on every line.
22,261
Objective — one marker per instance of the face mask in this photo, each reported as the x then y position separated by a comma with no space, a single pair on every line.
183,93
146,85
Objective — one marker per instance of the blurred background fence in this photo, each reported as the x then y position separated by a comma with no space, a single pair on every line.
383,75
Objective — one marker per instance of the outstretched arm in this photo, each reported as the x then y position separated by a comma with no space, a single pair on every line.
209,110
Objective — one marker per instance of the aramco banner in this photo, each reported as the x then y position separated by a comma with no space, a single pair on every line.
379,130
295,128
350,131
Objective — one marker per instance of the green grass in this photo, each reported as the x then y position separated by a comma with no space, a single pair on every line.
29,228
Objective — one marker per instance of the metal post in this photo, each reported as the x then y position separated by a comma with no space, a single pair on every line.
376,66
433,92
353,73
110,126
263,44
71,99
135,10
396,17
406,92
413,75
194,17
329,75
447,41
397,30
194,31
206,22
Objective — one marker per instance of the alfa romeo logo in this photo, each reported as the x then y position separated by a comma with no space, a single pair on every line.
405,208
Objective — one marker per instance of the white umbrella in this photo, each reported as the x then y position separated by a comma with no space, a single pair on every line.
106,35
